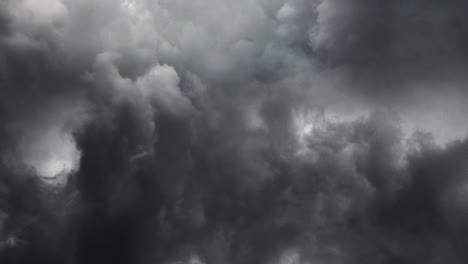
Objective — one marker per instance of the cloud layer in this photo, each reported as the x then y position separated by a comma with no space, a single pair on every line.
250,131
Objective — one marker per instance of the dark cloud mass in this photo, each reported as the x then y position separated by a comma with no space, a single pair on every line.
250,131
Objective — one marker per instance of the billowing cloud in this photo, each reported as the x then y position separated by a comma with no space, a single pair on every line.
251,131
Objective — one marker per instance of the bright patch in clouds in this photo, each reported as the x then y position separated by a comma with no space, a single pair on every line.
46,144
51,154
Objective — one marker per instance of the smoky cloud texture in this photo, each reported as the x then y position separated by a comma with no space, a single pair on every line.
249,131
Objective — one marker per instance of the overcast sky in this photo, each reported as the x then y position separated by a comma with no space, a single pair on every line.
233,132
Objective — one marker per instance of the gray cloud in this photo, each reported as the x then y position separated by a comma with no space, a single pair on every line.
279,131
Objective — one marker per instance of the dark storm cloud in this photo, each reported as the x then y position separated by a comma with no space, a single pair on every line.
407,32
388,46
232,132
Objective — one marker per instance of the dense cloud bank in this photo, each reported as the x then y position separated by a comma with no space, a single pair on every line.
250,131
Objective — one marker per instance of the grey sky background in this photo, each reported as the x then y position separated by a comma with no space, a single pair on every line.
249,131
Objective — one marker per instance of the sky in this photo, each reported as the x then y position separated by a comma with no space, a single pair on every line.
233,132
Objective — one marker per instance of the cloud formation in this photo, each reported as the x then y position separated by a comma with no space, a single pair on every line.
251,131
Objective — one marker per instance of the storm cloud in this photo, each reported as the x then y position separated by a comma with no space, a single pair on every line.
250,131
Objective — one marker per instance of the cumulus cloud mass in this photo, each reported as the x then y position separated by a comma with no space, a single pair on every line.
233,132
